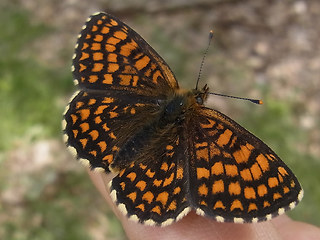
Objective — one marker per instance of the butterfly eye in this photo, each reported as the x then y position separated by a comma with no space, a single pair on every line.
199,100
181,103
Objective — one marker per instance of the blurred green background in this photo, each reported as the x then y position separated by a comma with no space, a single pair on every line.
261,49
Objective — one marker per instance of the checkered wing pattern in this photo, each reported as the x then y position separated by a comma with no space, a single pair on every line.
153,190
234,176
110,55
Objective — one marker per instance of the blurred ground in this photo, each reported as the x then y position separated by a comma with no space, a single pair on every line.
261,49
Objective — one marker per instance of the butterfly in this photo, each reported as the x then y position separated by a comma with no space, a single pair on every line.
170,153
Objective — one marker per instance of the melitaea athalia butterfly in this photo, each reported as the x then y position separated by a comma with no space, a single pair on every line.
171,154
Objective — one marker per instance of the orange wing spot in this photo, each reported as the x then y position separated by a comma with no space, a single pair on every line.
83,142
292,184
112,57
179,173
105,127
123,186
236,204
282,171
263,162
203,144
163,198
156,209
262,190
273,182
157,182
242,155
234,139
256,171
113,114
141,185
217,168
79,105
93,153
132,111
99,22
84,114
109,48
108,79
203,154
113,22
102,145
168,180
208,125
169,147
100,109
142,166
135,81
121,172
141,207
111,135
96,46
97,56
85,46
84,55
226,154
97,120
155,76
121,35
94,28
214,151
164,166
92,101
116,149
203,190
132,176
98,38
276,196
105,30
113,40
75,133
126,49
176,190
82,67
112,67
285,190
125,80
132,196
249,193
97,67
84,127
246,174
148,196
74,118
172,165
234,188
252,207
220,126
94,134
266,204
142,62
218,187
203,173
173,205
150,174
280,177
219,204
231,170
203,203
224,138
108,158
107,100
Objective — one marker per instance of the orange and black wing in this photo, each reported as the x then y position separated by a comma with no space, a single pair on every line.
109,55
121,78
153,190
234,176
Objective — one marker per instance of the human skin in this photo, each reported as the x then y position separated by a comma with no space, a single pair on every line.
197,227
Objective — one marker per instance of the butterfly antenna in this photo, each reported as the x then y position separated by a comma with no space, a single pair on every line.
256,101
203,58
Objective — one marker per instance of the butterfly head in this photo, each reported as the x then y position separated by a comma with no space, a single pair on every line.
201,95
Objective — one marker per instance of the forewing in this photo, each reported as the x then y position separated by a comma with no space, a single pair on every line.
153,191
110,55
97,124
234,176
